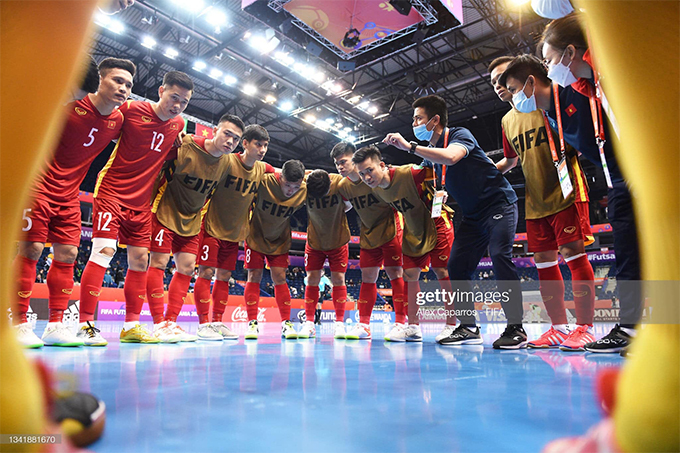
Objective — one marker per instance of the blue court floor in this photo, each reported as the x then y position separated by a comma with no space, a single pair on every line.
325,395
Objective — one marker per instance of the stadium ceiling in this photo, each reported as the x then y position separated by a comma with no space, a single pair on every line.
288,80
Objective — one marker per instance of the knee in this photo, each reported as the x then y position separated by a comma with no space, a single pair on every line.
338,279
207,272
103,251
31,250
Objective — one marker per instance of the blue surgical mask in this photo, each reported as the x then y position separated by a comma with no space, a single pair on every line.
523,103
422,133
561,74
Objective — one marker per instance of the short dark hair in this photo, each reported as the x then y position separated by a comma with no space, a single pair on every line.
499,61
112,63
90,82
433,105
342,148
567,30
233,119
366,152
318,184
522,67
255,132
293,170
178,79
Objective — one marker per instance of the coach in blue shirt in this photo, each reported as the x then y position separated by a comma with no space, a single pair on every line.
489,206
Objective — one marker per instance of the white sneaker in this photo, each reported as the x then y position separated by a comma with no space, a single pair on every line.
288,331
307,331
165,333
208,333
359,332
339,331
448,330
90,335
183,335
57,334
253,330
225,331
413,333
27,338
397,333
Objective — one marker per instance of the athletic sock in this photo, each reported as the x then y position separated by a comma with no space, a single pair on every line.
177,293
220,299
282,296
339,301
311,298
135,294
398,300
368,293
252,297
90,287
25,282
552,291
583,287
155,293
60,285
202,299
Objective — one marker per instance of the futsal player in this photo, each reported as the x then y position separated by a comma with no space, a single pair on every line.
226,223
55,212
489,207
122,196
426,241
379,240
557,215
189,181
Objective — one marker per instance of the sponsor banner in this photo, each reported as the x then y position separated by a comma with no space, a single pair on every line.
86,233
595,257
240,314
376,316
115,311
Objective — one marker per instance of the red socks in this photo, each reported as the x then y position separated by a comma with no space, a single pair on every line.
135,294
367,296
60,285
282,295
552,292
311,299
252,297
202,299
583,287
411,290
25,281
90,287
177,292
339,301
220,299
398,300
155,293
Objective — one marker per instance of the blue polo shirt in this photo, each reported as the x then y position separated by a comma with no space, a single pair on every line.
577,124
475,182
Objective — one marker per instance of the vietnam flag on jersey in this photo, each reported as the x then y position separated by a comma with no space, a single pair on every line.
204,131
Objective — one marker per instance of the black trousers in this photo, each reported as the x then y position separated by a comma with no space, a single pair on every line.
495,231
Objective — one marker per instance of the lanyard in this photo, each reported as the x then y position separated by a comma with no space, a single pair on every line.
598,126
560,131
446,144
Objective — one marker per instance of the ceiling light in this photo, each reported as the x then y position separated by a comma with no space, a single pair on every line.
300,67
373,110
330,120
286,106
320,77
199,65
354,99
148,42
342,134
171,53
116,26
310,118
190,5
351,138
270,99
230,80
102,19
216,17
364,105
336,88
215,73
249,89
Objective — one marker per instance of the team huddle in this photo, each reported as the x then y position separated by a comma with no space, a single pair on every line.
165,193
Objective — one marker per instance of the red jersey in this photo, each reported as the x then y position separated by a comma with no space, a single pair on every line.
86,133
145,142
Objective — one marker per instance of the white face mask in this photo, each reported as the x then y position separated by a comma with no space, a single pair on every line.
523,103
422,133
552,9
561,74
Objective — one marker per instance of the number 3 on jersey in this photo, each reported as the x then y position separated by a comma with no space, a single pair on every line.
157,141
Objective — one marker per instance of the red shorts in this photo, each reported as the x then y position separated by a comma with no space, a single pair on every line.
51,222
389,254
113,221
549,233
164,240
439,256
337,258
217,253
255,259
584,213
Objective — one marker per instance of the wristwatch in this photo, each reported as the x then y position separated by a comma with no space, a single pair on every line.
413,147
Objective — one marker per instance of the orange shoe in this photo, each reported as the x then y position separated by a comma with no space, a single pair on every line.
577,339
551,339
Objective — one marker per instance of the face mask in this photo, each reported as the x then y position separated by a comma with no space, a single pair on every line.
552,9
561,74
522,103
422,133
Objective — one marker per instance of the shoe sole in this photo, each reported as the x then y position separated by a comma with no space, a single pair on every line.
414,340
250,337
393,340
289,337
32,346
531,346
340,337
210,339
464,343
97,344
140,341
65,345
568,349
518,346
605,351
357,338
234,337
